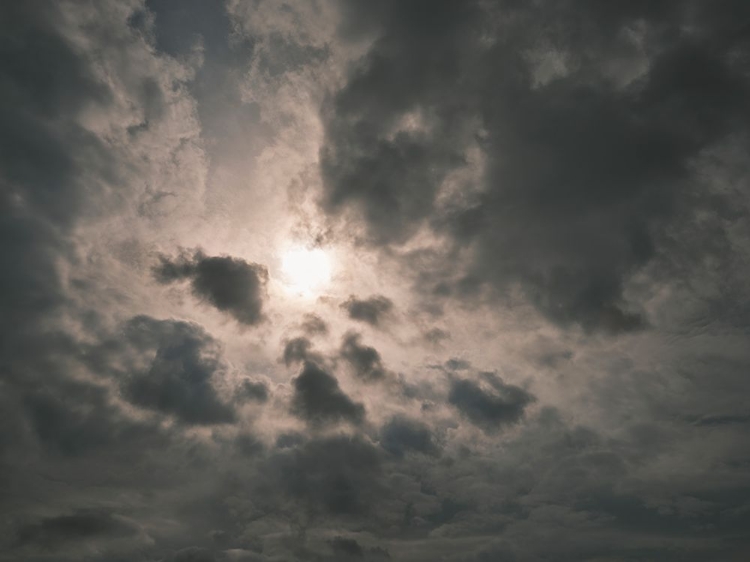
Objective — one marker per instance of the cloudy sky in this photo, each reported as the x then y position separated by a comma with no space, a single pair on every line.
410,280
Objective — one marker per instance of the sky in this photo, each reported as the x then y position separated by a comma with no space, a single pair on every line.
352,280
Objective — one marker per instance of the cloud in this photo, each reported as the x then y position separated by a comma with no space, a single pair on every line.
178,380
346,547
73,418
229,284
490,408
314,325
562,187
256,391
371,310
296,350
319,400
364,360
79,526
401,435
339,475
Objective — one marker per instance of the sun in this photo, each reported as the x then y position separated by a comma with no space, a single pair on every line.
306,270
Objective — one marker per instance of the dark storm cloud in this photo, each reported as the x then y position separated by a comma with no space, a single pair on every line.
371,310
401,435
318,399
82,525
492,407
178,380
231,285
364,360
585,168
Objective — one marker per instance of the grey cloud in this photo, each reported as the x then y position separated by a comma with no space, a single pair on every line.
178,380
318,399
455,364
75,418
401,435
296,350
231,285
339,475
193,554
314,325
79,526
256,391
364,359
582,177
371,310
346,547
490,408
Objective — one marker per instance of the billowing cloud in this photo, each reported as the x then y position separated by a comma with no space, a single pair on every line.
232,285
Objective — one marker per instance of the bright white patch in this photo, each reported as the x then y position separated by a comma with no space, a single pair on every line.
306,271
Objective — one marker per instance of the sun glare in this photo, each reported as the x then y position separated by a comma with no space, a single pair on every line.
306,271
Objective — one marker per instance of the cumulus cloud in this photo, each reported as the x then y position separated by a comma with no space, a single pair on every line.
231,285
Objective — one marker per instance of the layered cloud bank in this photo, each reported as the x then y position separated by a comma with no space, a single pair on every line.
529,341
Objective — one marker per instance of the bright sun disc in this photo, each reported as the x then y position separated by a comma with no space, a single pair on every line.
306,270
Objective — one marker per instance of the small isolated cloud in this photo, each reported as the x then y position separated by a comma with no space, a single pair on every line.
371,310
229,284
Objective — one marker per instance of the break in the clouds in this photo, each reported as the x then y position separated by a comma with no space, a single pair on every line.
400,280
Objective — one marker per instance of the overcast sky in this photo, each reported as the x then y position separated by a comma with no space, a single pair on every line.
410,280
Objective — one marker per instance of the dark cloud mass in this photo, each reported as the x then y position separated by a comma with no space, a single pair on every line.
588,121
203,206
230,284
